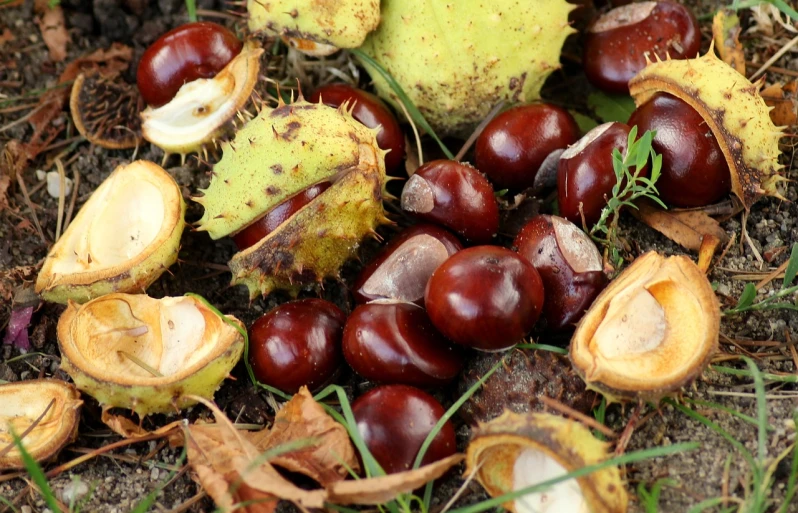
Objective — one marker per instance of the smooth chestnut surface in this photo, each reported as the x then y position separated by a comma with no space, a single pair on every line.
485,297
617,42
403,267
569,265
191,51
394,342
694,171
298,343
394,420
585,174
516,143
454,195
253,233
372,112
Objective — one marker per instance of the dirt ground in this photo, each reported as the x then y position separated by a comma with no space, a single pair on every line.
117,482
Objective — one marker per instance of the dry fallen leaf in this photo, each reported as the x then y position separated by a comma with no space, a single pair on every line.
687,228
5,181
127,428
327,460
726,33
784,100
53,28
6,37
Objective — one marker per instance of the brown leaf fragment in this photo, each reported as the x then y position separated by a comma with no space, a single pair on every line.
378,490
326,461
128,429
6,37
726,33
784,100
53,28
5,181
687,228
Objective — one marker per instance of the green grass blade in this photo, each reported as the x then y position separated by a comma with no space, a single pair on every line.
704,505
761,410
790,378
789,492
730,411
36,473
792,267
191,7
544,347
418,118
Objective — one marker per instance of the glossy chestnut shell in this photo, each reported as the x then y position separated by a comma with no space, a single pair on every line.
585,174
298,343
394,420
516,143
394,342
253,233
403,267
184,54
616,43
694,171
372,112
454,195
569,265
485,297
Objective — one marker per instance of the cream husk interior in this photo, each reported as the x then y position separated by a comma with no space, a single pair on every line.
174,335
127,218
22,403
532,467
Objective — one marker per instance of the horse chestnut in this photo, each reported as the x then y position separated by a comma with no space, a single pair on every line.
454,195
402,269
394,420
390,341
298,343
184,54
518,142
485,297
694,171
569,265
617,43
372,112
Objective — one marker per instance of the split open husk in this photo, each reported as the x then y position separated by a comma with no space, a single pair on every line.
516,451
651,332
22,403
125,236
145,354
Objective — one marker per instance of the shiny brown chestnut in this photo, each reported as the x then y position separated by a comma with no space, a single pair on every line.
298,343
485,297
616,43
694,171
394,420
520,141
388,341
255,232
403,267
569,265
184,54
372,112
454,195
585,175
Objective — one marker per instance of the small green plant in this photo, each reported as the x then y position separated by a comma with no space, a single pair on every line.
774,302
628,187
649,497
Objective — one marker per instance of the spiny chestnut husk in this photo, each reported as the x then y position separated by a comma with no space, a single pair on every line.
516,451
279,154
313,27
202,109
455,60
651,332
124,237
145,354
26,401
734,111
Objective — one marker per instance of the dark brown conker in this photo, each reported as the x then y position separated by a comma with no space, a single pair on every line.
403,267
394,420
298,343
569,265
518,142
485,297
616,43
454,195
694,171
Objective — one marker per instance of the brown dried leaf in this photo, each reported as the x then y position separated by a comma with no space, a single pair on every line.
378,490
726,33
301,418
128,429
5,181
784,100
686,228
6,37
53,28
